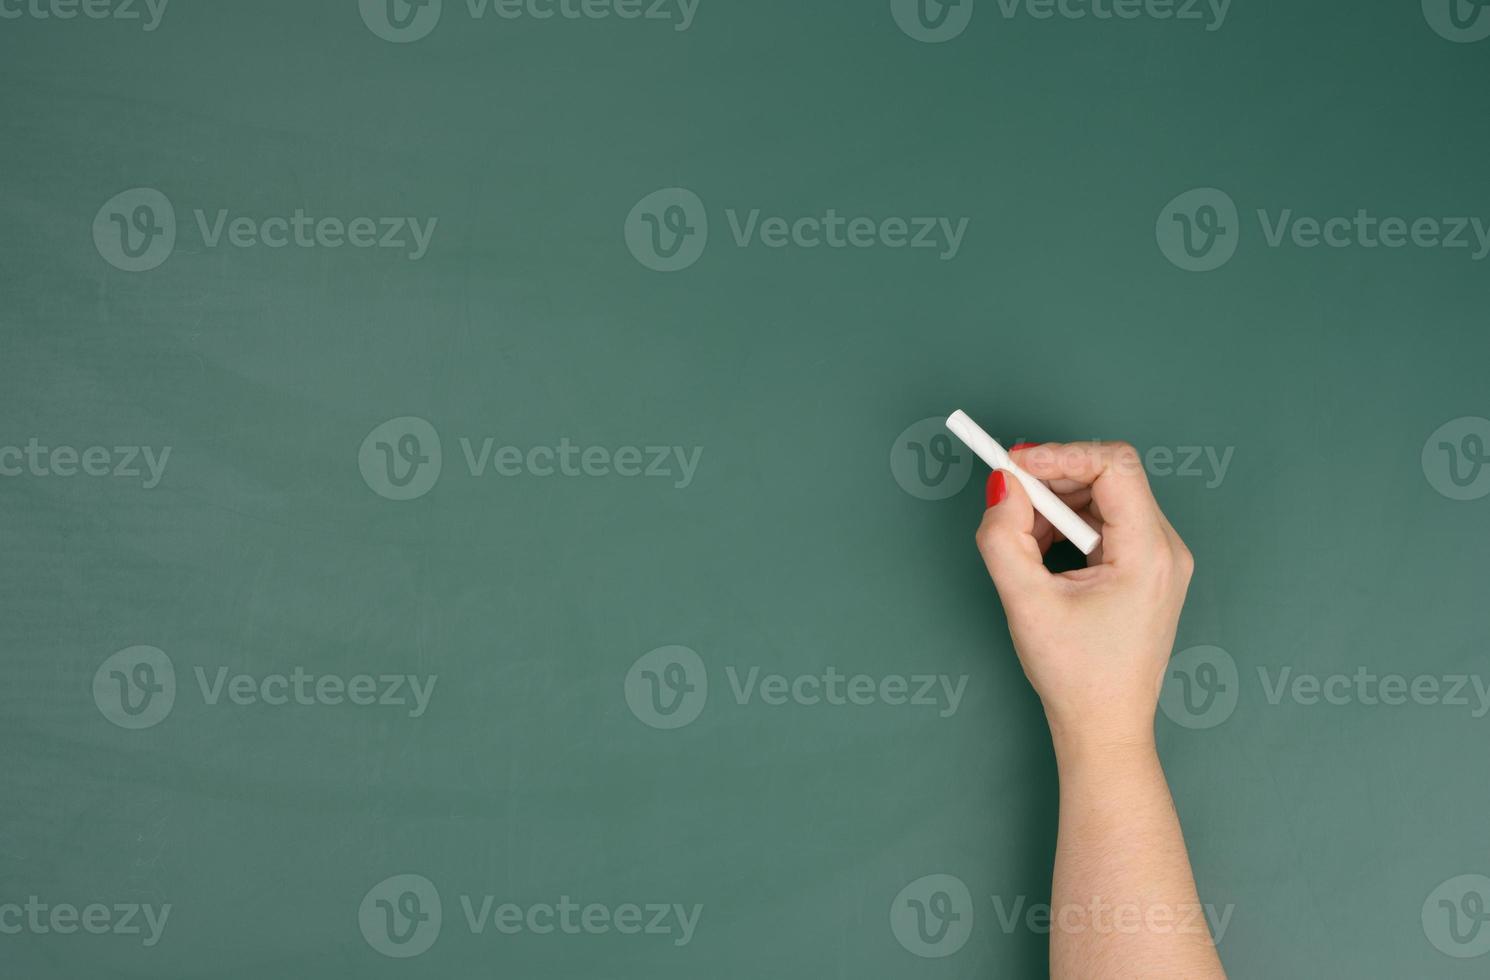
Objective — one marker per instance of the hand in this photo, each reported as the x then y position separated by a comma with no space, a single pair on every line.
1094,642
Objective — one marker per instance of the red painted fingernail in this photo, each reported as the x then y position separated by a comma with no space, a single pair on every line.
1026,445
995,492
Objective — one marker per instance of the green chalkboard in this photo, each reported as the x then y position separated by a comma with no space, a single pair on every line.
474,501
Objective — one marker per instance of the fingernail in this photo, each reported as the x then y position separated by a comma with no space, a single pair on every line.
995,492
1025,445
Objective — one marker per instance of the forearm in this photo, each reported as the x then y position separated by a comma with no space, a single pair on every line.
1124,902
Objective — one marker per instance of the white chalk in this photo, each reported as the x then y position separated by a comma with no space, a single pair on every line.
1061,517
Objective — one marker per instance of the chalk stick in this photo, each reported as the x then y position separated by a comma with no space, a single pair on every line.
1061,517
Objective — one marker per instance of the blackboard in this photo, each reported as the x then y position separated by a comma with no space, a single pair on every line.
475,504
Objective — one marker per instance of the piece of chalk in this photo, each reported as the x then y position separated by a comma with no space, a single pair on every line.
1061,517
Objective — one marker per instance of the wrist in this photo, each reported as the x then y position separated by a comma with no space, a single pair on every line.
1081,748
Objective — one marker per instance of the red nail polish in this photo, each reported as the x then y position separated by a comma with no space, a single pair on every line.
995,492
1026,445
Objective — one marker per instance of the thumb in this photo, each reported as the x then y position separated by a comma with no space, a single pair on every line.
1006,539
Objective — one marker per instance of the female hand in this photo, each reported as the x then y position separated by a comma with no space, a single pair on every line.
1094,642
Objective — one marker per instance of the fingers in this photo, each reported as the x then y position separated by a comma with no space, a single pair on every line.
1112,475
1006,540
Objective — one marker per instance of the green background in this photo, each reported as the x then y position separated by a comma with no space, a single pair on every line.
1324,548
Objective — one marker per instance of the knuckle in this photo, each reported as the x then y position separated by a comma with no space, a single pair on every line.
992,537
1125,457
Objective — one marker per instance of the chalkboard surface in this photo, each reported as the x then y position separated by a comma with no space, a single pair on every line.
474,501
